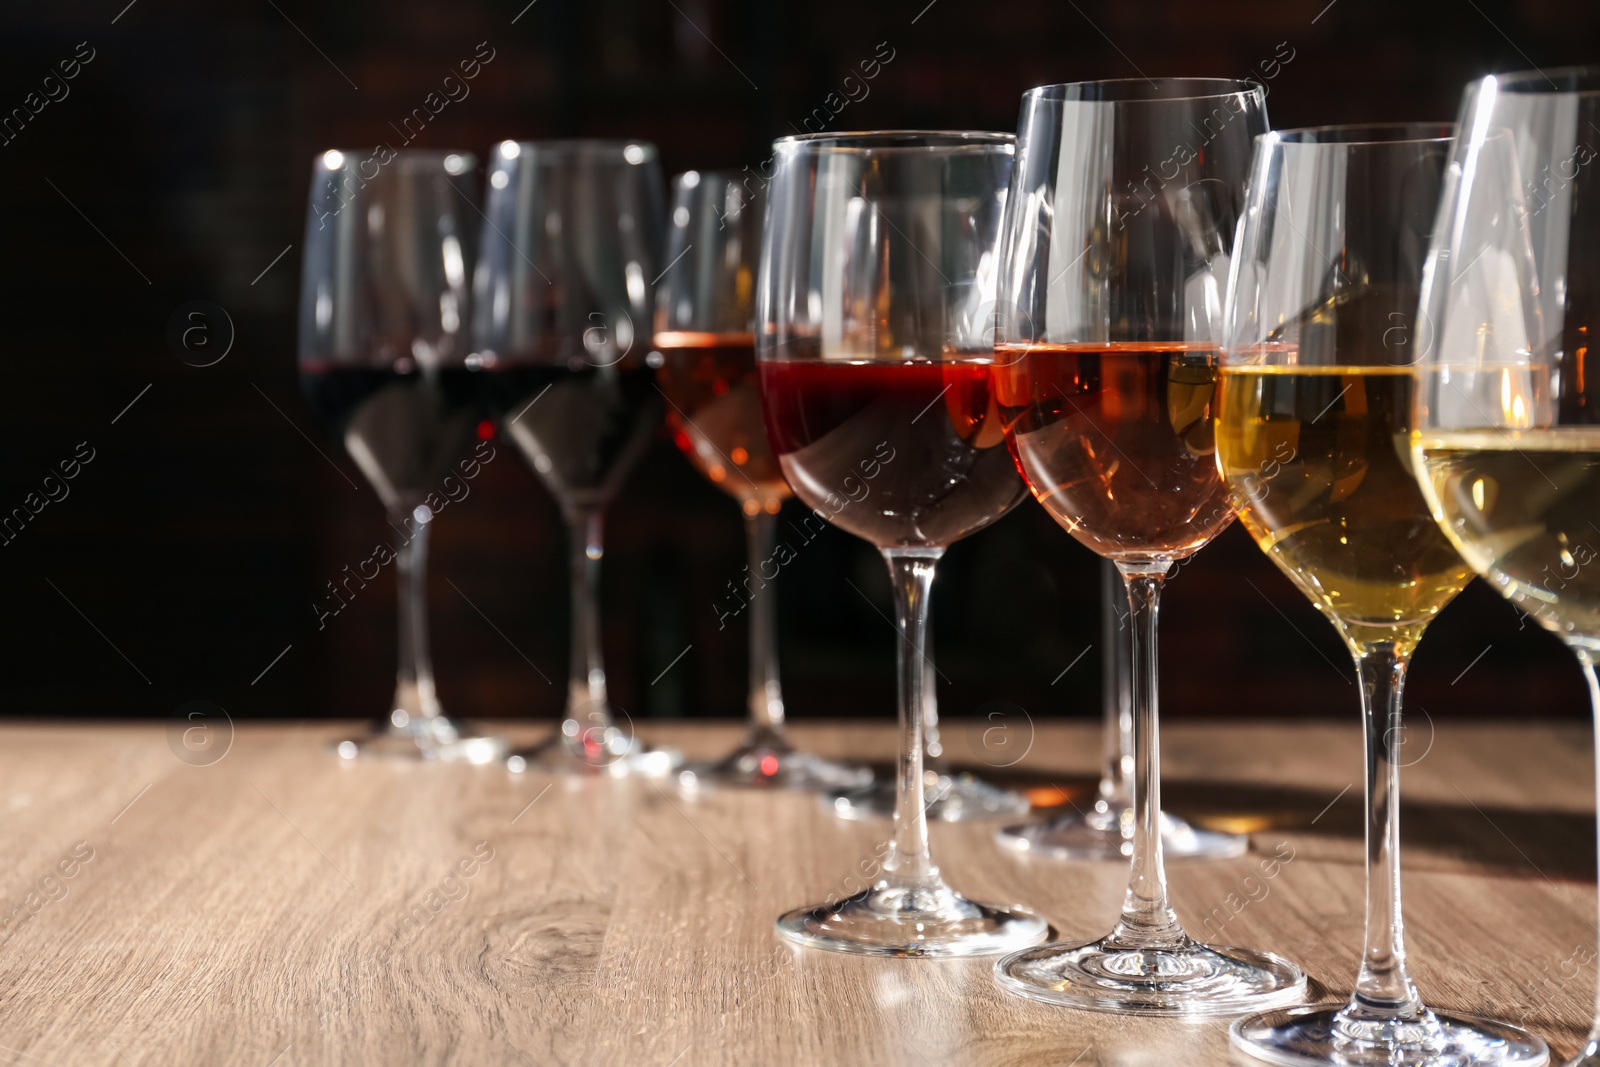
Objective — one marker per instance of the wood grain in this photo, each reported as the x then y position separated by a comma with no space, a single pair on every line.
279,907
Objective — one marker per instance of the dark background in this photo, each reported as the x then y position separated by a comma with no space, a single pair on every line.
191,547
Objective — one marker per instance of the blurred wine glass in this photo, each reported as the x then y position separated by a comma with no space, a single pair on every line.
571,241
384,363
705,339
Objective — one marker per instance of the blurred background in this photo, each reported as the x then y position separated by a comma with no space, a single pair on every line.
187,553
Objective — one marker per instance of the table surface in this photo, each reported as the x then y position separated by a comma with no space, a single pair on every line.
254,910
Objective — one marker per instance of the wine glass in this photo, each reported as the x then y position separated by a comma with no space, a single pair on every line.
1115,249
571,242
1105,831
1507,439
873,344
706,369
1313,426
383,363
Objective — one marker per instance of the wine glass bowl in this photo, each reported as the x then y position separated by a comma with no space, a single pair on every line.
384,363
872,354
1116,442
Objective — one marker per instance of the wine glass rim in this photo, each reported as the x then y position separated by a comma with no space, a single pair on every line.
1577,80
569,147
1363,133
868,142
334,158
1139,90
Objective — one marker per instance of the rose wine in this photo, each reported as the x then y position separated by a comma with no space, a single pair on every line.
1524,509
1318,459
404,430
581,428
714,409
1115,440
902,454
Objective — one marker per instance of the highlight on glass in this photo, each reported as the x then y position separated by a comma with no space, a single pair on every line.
385,363
873,348
1506,440
1313,427
706,371
571,241
1115,248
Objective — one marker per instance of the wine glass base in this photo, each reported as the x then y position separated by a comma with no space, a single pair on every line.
767,766
1305,1037
1074,835
1193,980
443,740
951,798
555,755
894,921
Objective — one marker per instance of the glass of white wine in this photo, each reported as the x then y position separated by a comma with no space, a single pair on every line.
1507,437
1313,426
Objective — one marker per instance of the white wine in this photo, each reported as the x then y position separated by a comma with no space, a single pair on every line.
1523,508
1318,461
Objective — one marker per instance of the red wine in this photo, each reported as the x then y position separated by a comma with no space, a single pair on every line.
406,431
715,413
580,428
901,454
1115,440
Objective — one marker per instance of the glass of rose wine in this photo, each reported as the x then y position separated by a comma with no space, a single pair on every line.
705,340
1115,249
384,363
571,241
873,345
1313,428
1507,432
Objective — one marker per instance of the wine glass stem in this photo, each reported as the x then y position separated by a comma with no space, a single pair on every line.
587,707
1591,1047
413,684
1384,989
766,697
1148,921
911,575
1116,738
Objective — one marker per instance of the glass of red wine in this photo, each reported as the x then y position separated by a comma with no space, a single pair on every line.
706,370
1113,262
571,242
873,345
384,363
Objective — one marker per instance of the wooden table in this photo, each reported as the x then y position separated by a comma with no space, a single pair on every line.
281,907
